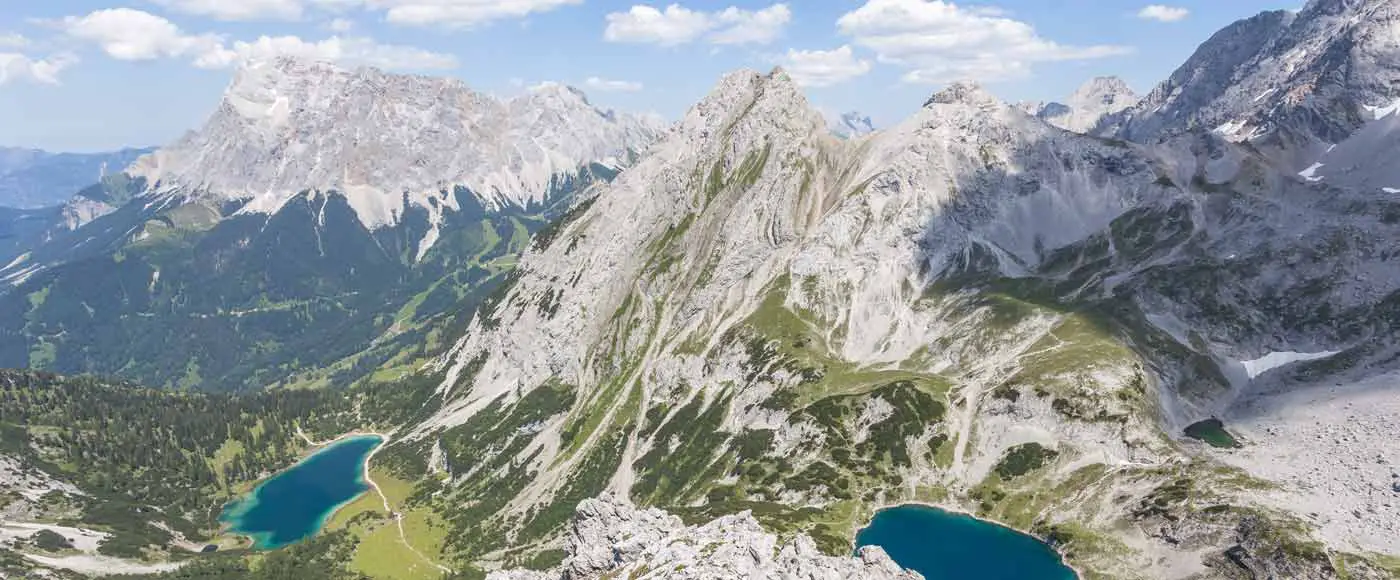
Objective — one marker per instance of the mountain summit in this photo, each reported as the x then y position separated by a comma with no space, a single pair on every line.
1100,97
1291,83
286,126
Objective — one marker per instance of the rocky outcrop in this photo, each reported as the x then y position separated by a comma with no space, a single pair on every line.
611,538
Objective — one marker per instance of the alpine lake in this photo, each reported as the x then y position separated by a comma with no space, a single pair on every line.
944,545
294,504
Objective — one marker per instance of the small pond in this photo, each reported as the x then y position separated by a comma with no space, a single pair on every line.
1213,432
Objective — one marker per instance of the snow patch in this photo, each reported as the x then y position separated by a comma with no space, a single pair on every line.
1310,173
1274,360
1382,111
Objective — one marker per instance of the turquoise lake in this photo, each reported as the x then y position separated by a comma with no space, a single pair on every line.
943,545
294,504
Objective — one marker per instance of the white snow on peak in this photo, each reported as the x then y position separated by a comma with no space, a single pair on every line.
1390,189
1274,360
286,126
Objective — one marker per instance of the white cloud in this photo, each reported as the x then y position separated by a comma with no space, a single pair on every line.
940,42
745,27
644,24
127,34
677,25
18,67
240,10
605,85
13,40
823,68
447,13
343,50
1162,13
459,13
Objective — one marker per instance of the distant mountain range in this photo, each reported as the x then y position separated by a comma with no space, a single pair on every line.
319,212
1082,112
31,179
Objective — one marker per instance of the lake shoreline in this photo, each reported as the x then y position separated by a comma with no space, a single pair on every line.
953,509
250,500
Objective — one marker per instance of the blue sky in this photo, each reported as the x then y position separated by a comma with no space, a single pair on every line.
84,75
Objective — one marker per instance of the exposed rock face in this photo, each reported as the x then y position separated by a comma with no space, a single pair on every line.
857,320
1292,84
610,538
287,126
1096,99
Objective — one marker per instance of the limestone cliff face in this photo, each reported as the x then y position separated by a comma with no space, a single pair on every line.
287,126
972,305
1290,83
611,538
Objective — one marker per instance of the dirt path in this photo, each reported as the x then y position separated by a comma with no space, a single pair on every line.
383,498
398,517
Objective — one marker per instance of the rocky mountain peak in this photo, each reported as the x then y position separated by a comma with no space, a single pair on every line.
773,98
286,126
1292,84
1091,102
963,93
1108,91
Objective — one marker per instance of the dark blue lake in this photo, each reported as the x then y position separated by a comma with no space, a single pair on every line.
943,545
293,505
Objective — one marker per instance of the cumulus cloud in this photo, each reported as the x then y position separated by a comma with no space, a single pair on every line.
446,13
15,67
677,25
606,85
460,13
238,9
1162,13
343,50
751,27
940,42
133,35
823,68
128,34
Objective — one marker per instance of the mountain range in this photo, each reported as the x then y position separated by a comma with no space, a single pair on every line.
32,179
301,226
1159,334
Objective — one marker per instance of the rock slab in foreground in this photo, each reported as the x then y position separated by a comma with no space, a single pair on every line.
612,538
